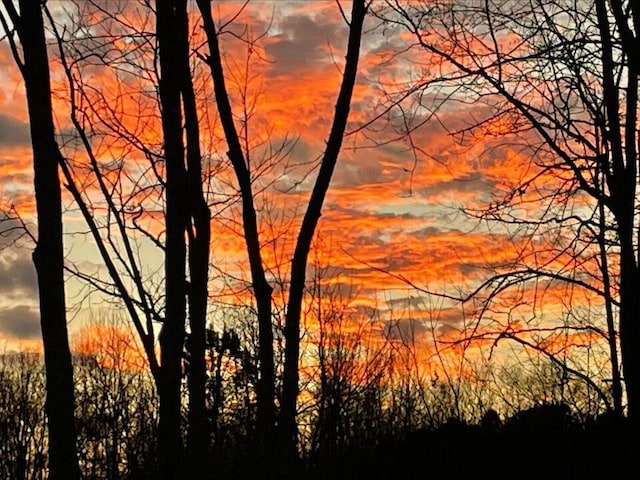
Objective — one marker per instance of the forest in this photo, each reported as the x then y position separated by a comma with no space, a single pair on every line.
319,239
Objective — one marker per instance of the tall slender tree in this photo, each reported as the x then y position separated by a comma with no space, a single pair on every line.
187,220
198,240
290,388
262,289
48,257
172,333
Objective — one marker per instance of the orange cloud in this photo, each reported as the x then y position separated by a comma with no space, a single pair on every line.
112,345
393,206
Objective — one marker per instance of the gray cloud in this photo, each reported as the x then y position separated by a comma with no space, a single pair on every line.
13,132
448,320
476,183
18,277
355,172
302,43
21,322
405,330
406,302
10,229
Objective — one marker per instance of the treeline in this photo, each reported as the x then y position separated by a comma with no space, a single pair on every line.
377,421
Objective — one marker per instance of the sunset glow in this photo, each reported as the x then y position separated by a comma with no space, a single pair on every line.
327,239
392,232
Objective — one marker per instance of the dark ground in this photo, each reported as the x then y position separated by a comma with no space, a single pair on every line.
527,448
541,443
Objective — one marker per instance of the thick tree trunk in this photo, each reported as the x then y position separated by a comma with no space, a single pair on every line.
630,334
287,419
48,256
170,443
616,376
629,309
630,323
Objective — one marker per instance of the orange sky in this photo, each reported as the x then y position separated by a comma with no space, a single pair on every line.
387,210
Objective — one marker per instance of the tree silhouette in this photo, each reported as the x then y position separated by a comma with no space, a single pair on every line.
48,257
560,79
261,288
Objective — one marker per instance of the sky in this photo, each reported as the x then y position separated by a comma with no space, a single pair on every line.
392,212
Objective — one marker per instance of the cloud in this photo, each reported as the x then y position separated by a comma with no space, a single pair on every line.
407,331
20,322
11,230
17,277
13,132
303,43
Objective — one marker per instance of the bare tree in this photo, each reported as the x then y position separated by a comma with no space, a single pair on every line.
116,400
308,227
261,287
48,255
172,333
190,212
560,79
172,183
351,369
23,453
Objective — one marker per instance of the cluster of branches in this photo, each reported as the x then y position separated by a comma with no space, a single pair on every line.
557,83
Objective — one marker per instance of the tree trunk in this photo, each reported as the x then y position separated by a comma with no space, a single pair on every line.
48,256
287,420
265,389
616,377
170,444
621,136
629,333
199,235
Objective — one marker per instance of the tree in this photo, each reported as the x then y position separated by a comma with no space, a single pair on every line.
561,78
261,287
116,398
172,333
187,213
48,255
349,380
117,248
23,452
173,179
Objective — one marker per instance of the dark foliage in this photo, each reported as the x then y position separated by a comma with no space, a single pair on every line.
117,413
540,442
